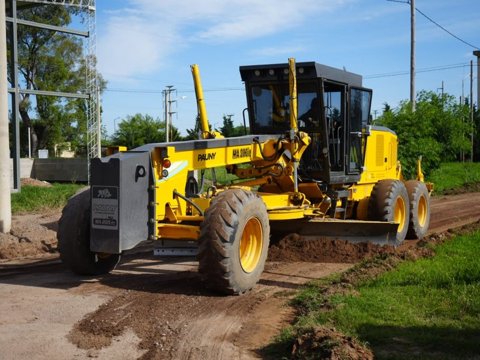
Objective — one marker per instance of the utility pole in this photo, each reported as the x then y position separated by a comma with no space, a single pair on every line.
5,198
442,88
168,111
477,54
471,109
167,93
170,117
165,116
412,54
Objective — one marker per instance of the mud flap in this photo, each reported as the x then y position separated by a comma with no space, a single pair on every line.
356,231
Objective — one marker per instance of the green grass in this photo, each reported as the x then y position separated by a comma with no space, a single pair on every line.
452,176
429,308
35,199
221,176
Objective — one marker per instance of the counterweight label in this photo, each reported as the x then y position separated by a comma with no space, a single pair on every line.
105,207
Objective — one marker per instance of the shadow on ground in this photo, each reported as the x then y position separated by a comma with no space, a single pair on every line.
417,342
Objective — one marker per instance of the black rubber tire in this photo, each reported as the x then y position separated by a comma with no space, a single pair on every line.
220,237
74,239
383,200
419,203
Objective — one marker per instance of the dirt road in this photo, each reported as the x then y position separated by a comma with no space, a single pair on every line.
154,308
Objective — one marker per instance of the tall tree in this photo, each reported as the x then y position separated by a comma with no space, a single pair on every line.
50,60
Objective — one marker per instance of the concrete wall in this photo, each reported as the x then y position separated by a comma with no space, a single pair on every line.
26,166
60,169
54,169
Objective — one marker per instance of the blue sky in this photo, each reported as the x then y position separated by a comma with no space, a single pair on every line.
145,45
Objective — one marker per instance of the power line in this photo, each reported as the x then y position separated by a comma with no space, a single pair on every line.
155,91
436,23
448,32
406,72
372,76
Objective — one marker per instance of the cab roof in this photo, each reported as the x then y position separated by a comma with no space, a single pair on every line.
305,71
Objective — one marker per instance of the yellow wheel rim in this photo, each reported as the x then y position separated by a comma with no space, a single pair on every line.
399,213
422,211
251,245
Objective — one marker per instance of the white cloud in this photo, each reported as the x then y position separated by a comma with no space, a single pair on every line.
131,46
286,49
140,37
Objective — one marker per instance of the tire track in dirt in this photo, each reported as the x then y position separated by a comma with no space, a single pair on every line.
451,211
165,309
205,326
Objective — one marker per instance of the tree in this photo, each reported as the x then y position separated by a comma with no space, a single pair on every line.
230,130
227,129
50,60
386,108
193,134
141,129
436,130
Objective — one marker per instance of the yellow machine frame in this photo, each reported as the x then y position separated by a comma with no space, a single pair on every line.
381,163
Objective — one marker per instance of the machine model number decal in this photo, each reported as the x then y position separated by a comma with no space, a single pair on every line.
242,153
105,207
205,157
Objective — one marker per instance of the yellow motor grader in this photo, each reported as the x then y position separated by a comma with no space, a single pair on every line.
312,164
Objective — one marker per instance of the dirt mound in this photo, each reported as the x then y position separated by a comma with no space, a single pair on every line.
32,235
327,343
34,182
316,249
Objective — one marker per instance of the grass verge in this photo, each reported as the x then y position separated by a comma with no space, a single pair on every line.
423,309
35,198
455,177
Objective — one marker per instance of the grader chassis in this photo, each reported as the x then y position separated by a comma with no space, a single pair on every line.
312,164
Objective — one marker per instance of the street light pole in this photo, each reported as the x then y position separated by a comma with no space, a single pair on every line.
5,174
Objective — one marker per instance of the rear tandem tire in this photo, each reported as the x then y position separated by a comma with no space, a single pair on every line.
74,239
419,209
389,202
233,243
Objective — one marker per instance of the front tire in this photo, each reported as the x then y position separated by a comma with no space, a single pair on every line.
419,209
389,202
74,239
233,243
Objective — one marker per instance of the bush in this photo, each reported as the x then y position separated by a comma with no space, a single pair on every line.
436,130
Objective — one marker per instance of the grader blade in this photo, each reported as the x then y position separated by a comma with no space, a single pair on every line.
356,231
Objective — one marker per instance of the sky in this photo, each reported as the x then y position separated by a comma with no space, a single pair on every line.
145,45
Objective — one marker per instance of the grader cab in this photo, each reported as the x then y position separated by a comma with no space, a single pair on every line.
312,164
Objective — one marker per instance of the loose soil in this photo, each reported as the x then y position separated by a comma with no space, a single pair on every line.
327,343
34,182
154,308
32,236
